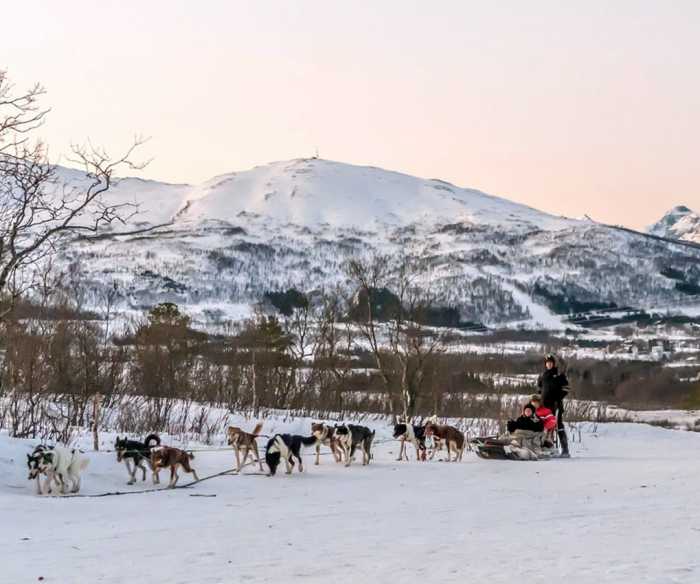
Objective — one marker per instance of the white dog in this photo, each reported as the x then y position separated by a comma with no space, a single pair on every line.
60,465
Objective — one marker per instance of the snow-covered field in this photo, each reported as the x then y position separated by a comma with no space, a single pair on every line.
624,509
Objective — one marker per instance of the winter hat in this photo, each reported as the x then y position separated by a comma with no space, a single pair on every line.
536,397
550,358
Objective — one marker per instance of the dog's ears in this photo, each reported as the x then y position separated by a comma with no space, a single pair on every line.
29,457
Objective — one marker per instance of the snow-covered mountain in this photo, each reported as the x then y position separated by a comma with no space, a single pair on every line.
679,223
317,193
219,246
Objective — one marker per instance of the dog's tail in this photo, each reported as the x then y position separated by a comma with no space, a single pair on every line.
152,438
257,429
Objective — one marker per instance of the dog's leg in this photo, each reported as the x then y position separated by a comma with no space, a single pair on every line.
142,466
62,488
401,447
156,478
246,454
76,483
48,489
173,476
257,456
288,463
318,453
238,459
348,455
337,455
434,449
132,473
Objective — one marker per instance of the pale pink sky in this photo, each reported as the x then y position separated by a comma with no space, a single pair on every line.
572,107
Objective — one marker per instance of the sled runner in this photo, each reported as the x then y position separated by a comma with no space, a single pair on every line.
520,445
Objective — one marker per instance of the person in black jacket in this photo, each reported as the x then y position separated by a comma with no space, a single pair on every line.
527,421
552,384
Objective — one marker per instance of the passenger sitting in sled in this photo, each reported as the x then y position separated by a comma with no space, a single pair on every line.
527,421
548,419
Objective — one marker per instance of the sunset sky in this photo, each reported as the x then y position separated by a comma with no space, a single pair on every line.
571,107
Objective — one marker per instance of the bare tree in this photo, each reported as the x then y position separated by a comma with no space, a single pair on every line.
402,347
20,114
333,366
37,206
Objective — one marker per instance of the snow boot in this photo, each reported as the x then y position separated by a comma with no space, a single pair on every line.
564,443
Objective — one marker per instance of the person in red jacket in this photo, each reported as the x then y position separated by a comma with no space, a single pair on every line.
546,416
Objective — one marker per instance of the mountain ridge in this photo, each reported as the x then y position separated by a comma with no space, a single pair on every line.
295,224
314,192
680,222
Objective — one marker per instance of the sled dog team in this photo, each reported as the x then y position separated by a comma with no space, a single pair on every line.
542,417
62,466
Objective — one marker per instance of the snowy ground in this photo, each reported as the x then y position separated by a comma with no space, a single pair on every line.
624,509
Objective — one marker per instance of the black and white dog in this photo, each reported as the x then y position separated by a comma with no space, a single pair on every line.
60,465
414,434
136,453
287,447
350,437
33,461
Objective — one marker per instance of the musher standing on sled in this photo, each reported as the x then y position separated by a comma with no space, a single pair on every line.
552,384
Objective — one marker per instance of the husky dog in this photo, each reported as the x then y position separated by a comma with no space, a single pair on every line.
452,437
244,441
33,466
137,453
59,465
287,447
414,434
350,437
326,435
168,457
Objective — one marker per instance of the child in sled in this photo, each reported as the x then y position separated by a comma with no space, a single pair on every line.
527,421
548,419
523,441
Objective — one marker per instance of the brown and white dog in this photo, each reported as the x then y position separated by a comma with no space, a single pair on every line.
245,442
168,457
326,435
405,431
454,439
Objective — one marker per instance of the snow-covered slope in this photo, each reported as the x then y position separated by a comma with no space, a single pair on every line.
151,202
320,192
679,223
295,224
